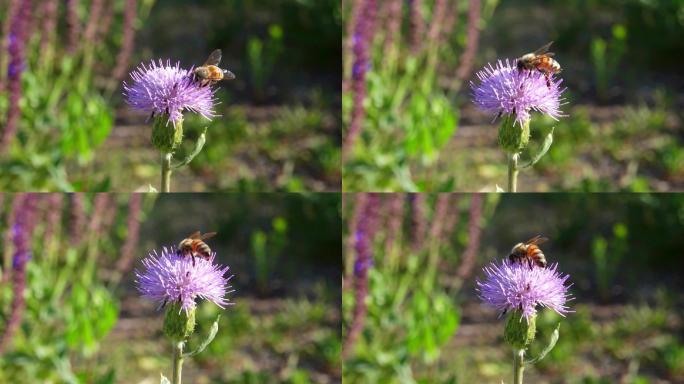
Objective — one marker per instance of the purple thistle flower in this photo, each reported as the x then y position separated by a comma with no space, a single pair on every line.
169,277
504,89
515,286
168,90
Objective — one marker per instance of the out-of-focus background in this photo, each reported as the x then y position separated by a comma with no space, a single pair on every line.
280,124
422,132
424,322
84,321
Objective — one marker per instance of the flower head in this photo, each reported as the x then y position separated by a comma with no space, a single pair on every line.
515,286
504,89
168,90
169,277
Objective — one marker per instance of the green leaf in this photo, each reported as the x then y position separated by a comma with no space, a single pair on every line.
209,339
548,140
549,347
198,148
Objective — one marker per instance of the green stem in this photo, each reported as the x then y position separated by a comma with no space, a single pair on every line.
177,362
518,365
513,172
166,172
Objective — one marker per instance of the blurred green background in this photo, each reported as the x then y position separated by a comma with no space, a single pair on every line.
426,324
85,322
624,98
280,123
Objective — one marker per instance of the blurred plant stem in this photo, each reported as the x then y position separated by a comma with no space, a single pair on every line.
166,171
518,365
513,172
177,362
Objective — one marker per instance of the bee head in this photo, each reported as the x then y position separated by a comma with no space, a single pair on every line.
518,248
202,72
520,65
185,243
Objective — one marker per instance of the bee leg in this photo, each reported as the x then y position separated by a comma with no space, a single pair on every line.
496,117
193,260
164,303
502,313
150,117
548,80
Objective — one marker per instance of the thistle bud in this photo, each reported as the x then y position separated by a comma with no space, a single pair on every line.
519,332
167,137
513,138
179,324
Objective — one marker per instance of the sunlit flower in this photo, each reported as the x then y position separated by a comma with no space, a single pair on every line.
166,89
506,90
515,286
169,278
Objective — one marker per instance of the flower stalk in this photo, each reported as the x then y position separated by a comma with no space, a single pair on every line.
166,171
513,172
177,362
518,365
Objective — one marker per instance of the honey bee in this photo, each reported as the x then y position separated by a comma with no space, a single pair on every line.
529,252
541,61
194,246
209,72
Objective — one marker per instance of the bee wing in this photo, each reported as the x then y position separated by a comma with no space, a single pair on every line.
543,49
195,235
214,58
207,235
539,239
